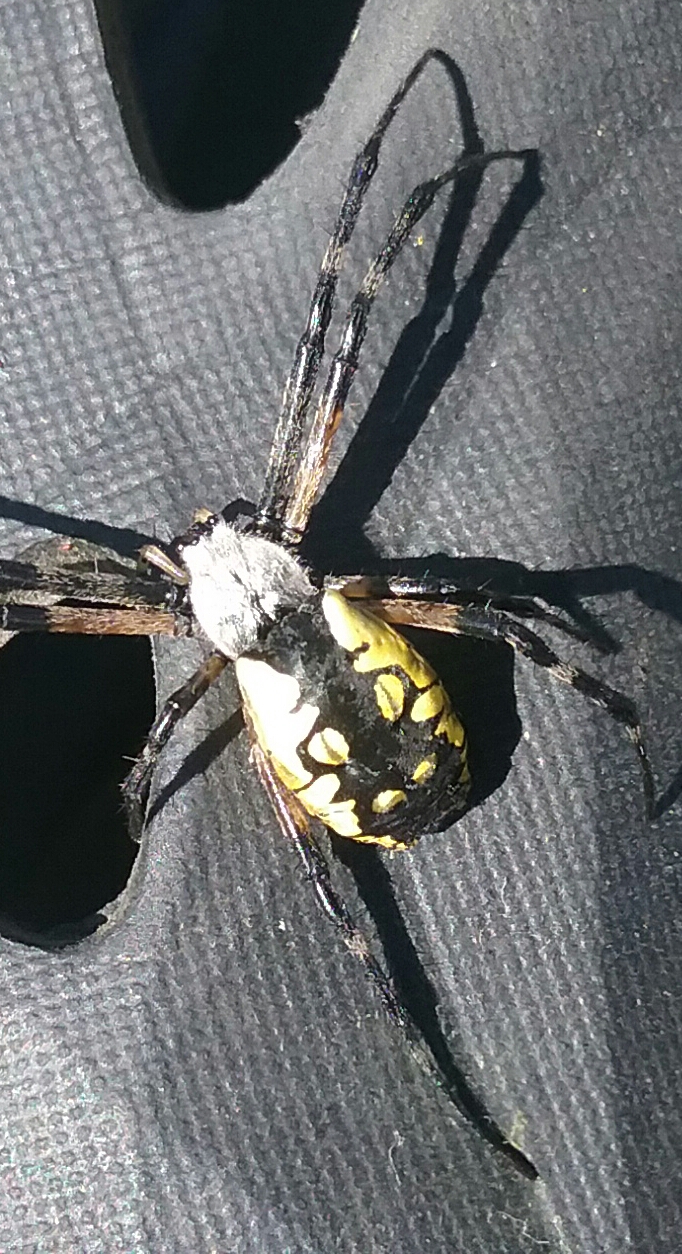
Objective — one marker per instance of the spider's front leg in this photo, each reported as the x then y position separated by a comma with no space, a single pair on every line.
301,382
296,510
58,593
137,783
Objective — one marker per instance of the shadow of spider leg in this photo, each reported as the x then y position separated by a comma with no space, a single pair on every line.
297,827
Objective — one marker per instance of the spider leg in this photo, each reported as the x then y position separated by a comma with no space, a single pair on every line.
154,556
301,381
92,620
133,588
441,593
87,602
296,827
136,785
345,363
83,589
493,624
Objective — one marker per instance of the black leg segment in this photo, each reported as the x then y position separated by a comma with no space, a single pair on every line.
136,785
345,363
301,381
297,828
432,597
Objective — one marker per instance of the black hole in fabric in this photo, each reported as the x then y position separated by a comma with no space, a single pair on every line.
74,711
210,92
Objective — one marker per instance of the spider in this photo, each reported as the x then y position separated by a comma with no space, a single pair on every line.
350,726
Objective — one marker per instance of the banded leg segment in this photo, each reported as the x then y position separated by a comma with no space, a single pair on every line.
492,624
296,827
136,785
91,620
345,363
60,593
130,589
301,381
443,600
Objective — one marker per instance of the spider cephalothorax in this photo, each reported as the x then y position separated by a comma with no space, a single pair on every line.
239,583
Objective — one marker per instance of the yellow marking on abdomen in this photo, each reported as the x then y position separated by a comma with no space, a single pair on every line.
390,696
388,800
386,842
436,701
321,792
329,746
428,704
381,646
451,727
318,799
425,769
271,699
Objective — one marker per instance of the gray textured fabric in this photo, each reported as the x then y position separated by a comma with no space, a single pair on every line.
208,1071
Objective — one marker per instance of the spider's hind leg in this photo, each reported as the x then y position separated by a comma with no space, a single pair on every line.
297,828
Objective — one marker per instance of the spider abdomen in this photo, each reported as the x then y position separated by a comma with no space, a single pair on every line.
355,722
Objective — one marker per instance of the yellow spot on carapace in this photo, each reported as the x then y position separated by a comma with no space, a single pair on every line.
381,646
318,799
388,800
390,695
280,723
424,769
329,746
428,704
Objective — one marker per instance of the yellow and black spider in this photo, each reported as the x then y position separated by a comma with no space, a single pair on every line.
350,725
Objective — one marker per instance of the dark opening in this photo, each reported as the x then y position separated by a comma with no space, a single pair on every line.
75,709
211,92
